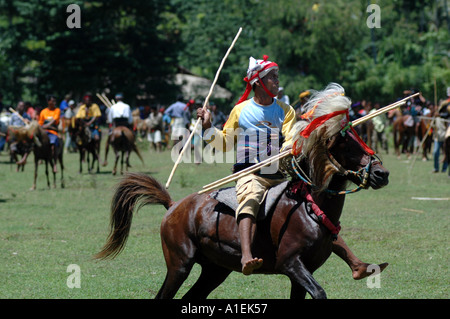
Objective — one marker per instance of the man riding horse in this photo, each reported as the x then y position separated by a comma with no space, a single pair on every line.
262,125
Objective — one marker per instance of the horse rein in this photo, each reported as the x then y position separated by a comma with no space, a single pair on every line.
362,174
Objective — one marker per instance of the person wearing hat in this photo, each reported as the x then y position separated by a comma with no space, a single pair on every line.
261,124
303,98
265,116
68,115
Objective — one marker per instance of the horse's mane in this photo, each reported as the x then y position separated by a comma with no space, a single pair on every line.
314,147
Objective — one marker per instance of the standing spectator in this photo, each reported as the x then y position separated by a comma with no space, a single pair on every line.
64,104
439,134
155,128
218,118
69,114
282,97
378,134
176,111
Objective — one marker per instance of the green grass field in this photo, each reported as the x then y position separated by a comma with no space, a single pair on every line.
42,232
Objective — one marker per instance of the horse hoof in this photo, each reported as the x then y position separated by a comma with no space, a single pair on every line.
362,271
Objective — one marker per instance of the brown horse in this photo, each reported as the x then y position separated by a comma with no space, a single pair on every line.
85,144
424,134
35,135
292,240
403,135
122,140
19,145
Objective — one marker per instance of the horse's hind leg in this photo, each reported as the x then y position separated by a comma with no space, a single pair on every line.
210,278
301,278
179,253
114,171
46,172
177,272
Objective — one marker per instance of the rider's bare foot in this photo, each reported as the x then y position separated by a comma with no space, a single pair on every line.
250,265
360,271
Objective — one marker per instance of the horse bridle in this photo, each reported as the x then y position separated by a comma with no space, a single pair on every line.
362,174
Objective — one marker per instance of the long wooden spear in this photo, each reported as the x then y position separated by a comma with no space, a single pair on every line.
256,167
204,107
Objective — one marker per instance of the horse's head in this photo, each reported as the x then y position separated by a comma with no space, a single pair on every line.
353,159
326,145
25,134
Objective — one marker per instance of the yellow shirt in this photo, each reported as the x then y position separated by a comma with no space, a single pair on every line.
93,111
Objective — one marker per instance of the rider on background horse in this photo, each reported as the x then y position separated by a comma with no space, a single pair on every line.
49,120
120,113
91,114
265,116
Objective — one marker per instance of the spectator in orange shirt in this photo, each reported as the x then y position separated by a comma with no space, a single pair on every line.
49,120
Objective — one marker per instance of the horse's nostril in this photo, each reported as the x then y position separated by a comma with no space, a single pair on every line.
381,173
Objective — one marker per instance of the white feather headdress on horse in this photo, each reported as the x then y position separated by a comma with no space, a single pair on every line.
326,114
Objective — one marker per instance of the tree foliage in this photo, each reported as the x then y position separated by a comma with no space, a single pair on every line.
136,46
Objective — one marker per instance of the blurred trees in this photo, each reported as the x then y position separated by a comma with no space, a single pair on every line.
136,46
118,47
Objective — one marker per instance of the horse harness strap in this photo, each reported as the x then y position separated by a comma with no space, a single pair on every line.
323,218
362,174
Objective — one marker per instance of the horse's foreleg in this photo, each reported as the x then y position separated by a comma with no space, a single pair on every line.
54,165
301,277
105,162
46,173
36,163
62,168
81,160
88,161
359,268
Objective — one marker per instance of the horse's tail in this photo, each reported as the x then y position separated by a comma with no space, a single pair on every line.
134,191
136,150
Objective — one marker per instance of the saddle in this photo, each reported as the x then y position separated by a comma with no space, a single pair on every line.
227,196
